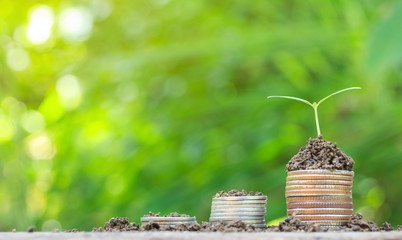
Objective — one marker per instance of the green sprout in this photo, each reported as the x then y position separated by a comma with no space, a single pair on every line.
315,105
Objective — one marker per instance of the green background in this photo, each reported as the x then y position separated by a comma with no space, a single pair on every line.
155,105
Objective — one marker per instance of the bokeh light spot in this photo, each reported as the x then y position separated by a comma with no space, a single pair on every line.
69,91
12,107
101,9
50,225
75,24
32,121
40,147
18,59
40,25
6,129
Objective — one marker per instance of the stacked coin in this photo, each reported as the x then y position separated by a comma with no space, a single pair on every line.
169,221
249,209
320,196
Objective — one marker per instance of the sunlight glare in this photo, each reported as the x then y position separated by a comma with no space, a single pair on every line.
40,25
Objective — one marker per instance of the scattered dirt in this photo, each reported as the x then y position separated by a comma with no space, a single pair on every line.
152,226
387,227
237,226
118,225
173,214
236,193
358,224
320,154
292,224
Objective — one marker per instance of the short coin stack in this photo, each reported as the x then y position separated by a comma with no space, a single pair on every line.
169,221
320,196
249,209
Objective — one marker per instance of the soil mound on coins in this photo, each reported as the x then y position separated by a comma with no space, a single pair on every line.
236,193
173,214
320,154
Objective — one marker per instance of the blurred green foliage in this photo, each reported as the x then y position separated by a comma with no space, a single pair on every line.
117,108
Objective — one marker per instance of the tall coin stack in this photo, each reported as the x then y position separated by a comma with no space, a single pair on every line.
320,196
249,209
169,221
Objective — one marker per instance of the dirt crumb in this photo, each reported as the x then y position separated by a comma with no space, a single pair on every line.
151,214
74,230
14,230
236,193
118,224
399,227
293,224
152,226
357,224
31,229
237,226
173,214
320,154
387,227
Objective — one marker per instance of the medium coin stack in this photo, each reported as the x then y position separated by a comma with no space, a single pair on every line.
169,221
320,196
249,209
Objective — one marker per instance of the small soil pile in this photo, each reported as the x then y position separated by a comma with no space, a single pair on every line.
237,226
399,227
118,225
173,214
320,154
292,224
235,193
387,227
152,226
357,224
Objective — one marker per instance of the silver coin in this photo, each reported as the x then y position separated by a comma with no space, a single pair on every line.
240,214
316,194
230,220
239,202
234,210
239,198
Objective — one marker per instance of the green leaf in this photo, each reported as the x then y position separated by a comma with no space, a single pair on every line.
294,98
343,90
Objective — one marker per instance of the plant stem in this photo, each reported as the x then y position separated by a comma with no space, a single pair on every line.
316,119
